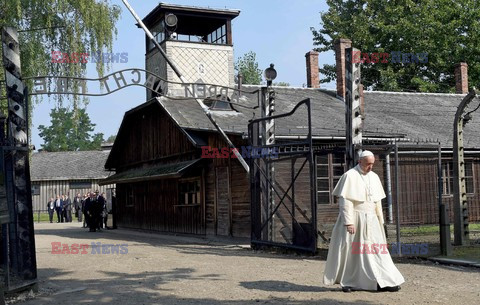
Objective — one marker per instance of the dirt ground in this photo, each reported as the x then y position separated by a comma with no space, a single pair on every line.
168,269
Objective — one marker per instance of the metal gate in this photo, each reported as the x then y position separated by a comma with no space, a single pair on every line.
283,184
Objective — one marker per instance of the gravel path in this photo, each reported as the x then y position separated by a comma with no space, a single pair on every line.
168,269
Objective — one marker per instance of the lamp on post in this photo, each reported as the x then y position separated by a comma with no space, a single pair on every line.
268,138
270,74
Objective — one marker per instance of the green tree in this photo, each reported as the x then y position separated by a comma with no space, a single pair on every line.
448,30
68,26
62,135
111,139
282,84
248,67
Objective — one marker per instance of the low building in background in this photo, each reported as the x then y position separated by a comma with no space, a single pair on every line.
69,172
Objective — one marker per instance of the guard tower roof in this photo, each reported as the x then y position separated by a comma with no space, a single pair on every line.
164,8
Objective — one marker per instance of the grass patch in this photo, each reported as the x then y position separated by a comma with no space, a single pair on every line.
432,229
43,217
467,252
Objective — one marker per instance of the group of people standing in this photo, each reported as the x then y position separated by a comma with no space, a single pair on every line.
93,206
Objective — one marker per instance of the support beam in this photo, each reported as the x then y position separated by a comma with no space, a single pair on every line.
461,231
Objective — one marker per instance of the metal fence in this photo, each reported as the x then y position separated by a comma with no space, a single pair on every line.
418,182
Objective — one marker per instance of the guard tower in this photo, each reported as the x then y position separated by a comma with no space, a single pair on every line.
198,40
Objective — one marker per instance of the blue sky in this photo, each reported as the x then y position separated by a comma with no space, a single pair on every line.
278,31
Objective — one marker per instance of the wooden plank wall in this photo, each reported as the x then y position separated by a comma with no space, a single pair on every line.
239,192
284,223
50,189
222,185
472,199
419,191
148,135
154,208
210,209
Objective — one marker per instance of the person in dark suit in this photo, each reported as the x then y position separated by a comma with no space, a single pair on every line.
92,210
98,209
67,203
51,209
84,199
63,215
104,211
77,203
59,208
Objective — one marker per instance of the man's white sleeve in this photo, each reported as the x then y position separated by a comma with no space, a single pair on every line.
346,210
378,210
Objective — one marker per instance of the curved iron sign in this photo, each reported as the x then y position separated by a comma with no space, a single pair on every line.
125,78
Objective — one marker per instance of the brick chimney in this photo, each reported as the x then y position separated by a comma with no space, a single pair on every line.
313,80
340,46
461,78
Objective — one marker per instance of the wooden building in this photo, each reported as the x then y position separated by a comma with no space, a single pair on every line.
164,184
70,172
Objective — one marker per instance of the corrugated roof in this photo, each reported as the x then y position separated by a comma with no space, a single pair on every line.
415,116
421,116
327,113
68,165
161,171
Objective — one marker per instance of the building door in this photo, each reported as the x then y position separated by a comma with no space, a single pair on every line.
222,187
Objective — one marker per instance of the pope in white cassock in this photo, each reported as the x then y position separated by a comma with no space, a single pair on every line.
358,258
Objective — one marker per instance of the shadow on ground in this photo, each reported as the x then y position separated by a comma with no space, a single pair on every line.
186,244
146,288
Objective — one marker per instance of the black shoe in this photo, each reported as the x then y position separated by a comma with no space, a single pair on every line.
346,289
388,288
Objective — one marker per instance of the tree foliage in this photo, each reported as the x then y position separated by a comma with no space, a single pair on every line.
69,26
281,84
70,131
111,139
248,67
448,30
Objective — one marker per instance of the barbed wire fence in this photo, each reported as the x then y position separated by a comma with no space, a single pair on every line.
417,179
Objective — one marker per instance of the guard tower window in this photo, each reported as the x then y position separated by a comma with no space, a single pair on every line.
193,28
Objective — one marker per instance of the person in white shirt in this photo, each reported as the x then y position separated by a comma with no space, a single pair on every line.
51,209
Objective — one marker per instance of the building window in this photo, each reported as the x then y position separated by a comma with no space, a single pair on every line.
189,192
448,178
218,103
218,36
35,189
80,184
329,170
158,32
191,34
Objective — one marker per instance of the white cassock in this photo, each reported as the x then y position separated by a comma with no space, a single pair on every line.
353,260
